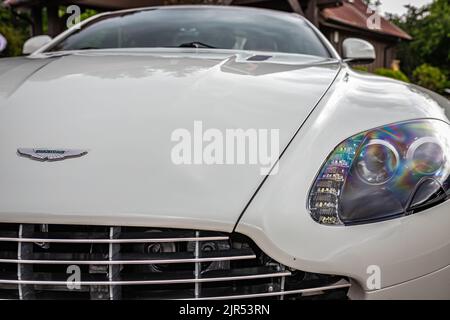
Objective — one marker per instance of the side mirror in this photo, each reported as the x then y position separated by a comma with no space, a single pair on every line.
358,51
34,43
3,43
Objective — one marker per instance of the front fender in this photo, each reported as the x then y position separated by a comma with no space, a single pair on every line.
278,219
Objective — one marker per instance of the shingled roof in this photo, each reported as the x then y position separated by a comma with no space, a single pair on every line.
355,13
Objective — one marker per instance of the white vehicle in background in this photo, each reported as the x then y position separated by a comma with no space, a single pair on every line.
357,209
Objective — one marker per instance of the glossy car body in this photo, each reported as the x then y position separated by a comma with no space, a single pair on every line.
123,105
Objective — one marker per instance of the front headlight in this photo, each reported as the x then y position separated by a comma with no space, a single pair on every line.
384,173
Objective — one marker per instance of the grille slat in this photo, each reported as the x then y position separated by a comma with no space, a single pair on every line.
107,241
24,250
121,259
100,262
198,268
237,276
339,285
115,292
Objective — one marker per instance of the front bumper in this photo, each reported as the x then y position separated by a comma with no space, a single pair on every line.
408,251
412,254
435,285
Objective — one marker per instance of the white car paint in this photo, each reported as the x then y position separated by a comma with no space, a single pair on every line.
405,249
122,105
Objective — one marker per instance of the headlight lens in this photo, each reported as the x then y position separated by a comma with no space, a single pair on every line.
377,162
384,173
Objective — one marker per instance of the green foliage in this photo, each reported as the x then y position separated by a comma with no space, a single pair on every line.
360,68
17,30
398,75
430,28
87,14
15,40
430,77
14,30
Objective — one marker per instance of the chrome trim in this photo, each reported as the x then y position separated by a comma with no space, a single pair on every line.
339,285
113,270
107,241
148,282
282,284
115,262
19,267
198,267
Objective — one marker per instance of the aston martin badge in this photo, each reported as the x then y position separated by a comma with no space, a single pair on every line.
45,154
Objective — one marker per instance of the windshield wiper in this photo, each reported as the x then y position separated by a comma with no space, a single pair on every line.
196,44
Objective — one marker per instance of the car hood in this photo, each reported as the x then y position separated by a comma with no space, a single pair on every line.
123,107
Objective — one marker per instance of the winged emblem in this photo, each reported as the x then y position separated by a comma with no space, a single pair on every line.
45,154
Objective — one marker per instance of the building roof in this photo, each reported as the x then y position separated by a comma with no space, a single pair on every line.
355,13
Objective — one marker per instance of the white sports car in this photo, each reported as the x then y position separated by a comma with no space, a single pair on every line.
115,183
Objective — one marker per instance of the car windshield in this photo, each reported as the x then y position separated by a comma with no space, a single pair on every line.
202,27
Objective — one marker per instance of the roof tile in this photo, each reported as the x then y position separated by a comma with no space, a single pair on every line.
356,14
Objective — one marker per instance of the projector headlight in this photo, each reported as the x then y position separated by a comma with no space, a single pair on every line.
384,173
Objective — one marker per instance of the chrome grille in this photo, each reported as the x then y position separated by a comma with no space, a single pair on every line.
38,262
